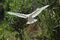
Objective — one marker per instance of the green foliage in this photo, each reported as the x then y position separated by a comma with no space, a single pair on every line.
13,27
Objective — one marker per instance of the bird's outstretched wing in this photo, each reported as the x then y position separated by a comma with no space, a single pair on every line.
38,10
18,14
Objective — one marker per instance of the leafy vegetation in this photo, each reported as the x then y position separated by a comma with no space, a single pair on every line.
14,28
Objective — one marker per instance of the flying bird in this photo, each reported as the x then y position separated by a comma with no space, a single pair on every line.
30,17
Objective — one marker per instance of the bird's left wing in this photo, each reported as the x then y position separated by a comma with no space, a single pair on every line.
38,10
18,14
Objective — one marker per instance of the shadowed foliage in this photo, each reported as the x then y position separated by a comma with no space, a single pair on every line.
14,28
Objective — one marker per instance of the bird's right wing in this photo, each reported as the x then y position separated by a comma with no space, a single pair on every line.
18,14
38,10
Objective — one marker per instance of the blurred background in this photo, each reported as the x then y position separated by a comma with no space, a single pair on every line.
14,28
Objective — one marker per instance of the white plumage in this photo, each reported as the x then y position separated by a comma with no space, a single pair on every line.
30,17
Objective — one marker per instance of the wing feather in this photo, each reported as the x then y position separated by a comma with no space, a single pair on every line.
38,10
18,14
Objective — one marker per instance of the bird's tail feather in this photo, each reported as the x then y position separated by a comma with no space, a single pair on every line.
31,22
